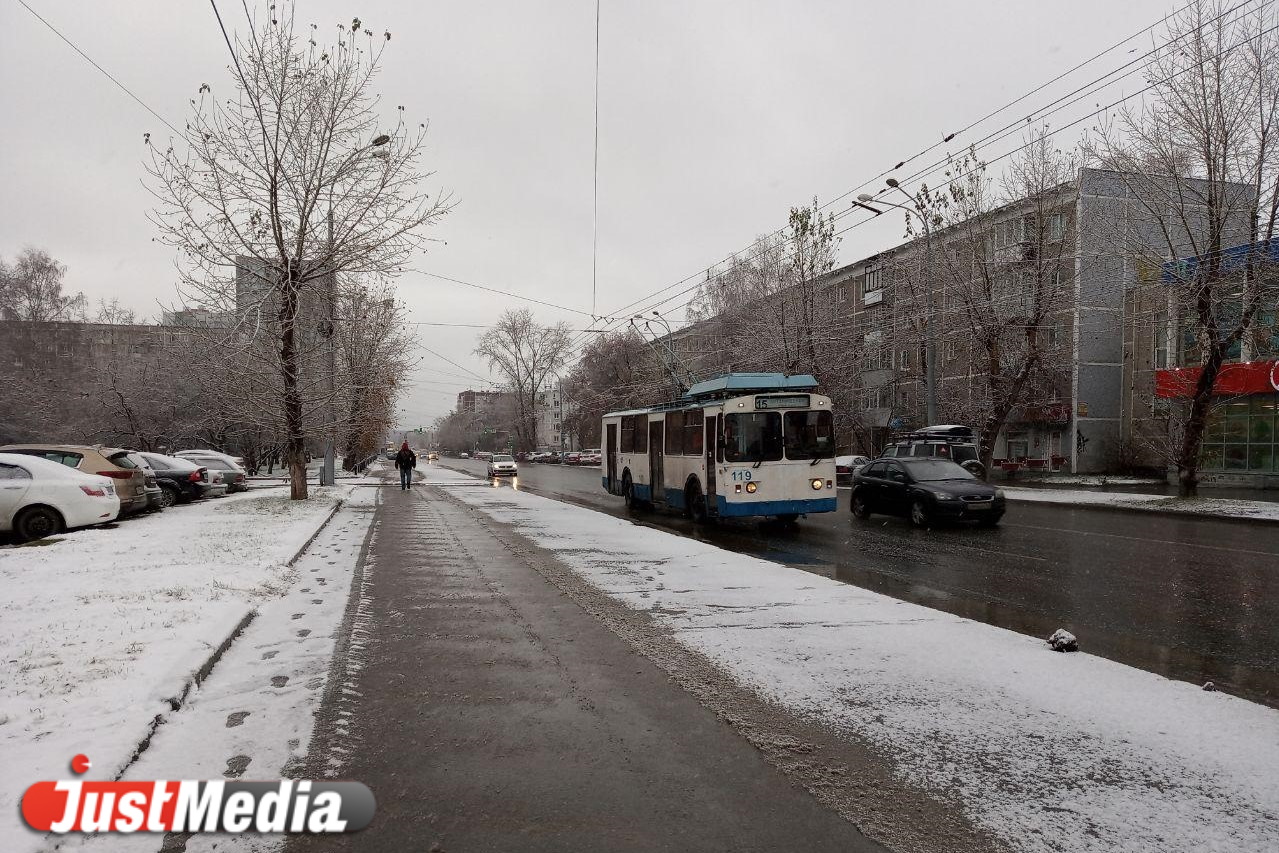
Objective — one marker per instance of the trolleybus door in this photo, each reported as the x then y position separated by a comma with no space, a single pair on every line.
656,451
610,450
709,446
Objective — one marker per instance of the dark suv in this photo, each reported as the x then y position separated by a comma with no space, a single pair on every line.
956,443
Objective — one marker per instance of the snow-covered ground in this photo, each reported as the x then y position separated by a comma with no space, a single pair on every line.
1048,751
99,628
1217,507
254,716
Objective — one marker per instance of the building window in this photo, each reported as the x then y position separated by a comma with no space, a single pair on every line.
874,281
841,292
1159,356
903,360
1056,227
952,350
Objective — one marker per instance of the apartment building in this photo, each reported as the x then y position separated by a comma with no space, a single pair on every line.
1052,275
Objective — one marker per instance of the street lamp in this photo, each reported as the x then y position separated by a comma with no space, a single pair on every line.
328,472
930,344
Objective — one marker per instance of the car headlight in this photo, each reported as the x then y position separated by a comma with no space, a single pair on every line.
944,496
999,493
752,487
816,483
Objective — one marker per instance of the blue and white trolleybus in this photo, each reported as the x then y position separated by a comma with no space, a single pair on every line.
744,444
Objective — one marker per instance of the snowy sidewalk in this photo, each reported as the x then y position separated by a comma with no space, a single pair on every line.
1046,751
1207,507
101,628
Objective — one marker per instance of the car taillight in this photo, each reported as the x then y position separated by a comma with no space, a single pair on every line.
94,491
193,477
117,474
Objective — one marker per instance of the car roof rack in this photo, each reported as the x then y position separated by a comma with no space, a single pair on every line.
943,432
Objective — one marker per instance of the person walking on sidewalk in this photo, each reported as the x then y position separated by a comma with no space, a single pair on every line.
405,461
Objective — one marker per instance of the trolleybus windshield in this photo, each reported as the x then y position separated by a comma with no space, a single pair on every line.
810,435
753,437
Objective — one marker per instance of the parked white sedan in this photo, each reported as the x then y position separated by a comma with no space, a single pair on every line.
39,498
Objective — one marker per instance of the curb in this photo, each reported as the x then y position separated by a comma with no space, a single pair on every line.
1155,509
201,674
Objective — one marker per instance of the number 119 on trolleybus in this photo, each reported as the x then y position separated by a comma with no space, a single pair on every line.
745,444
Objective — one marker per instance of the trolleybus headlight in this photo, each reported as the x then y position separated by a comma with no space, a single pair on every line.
752,488
817,483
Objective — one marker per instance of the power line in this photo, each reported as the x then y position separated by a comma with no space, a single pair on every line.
102,70
502,292
943,164
947,139
595,218
455,364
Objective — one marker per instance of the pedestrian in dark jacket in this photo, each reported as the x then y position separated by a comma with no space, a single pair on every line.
405,461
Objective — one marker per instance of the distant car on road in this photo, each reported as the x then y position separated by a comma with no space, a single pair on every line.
432,457
464,455
846,467
40,498
503,465
113,462
573,457
925,490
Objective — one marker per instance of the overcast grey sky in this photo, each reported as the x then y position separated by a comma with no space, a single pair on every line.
715,118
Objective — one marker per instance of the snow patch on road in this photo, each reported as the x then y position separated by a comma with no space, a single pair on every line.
100,628
1216,507
1049,752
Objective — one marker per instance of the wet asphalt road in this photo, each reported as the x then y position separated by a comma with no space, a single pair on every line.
1195,599
489,711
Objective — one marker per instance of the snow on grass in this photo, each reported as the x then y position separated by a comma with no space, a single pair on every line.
1220,507
1048,751
99,628
242,714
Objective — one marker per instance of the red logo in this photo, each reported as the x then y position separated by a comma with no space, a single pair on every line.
220,805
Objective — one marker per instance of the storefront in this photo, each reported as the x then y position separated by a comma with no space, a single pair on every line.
1242,438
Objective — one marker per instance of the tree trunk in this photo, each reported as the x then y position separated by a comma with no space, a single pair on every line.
294,437
1192,441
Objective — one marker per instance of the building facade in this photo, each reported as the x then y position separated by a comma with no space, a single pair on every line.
1046,282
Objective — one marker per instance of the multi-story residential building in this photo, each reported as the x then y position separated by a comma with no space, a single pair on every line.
479,402
1051,274
554,413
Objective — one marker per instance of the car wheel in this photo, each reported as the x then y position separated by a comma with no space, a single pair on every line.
37,522
168,496
919,514
860,508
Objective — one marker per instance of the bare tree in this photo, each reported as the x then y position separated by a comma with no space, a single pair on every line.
1199,161
113,313
31,288
1001,268
525,354
616,371
272,193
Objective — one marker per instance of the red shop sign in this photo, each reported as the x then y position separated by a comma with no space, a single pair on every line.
1253,377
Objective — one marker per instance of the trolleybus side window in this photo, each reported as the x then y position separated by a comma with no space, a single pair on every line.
809,435
634,438
753,437
693,433
674,433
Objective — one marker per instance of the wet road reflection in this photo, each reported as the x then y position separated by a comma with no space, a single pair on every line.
1191,598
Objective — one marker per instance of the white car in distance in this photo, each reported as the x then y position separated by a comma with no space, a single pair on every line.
503,465
41,498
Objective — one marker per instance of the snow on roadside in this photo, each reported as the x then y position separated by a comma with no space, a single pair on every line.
1225,507
1048,751
254,716
98,628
